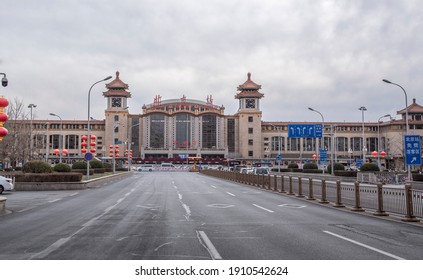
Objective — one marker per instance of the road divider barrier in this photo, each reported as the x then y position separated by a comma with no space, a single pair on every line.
378,199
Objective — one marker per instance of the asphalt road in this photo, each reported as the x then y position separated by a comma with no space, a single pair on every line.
180,215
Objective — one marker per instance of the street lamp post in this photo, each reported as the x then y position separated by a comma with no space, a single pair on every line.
61,136
362,109
378,138
4,80
322,140
115,124
406,124
279,146
31,106
89,117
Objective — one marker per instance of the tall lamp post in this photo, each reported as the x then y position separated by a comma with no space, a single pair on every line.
378,137
279,146
61,136
4,80
406,123
362,109
89,118
31,107
322,140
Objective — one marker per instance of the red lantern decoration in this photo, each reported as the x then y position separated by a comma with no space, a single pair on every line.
64,152
3,102
93,137
92,144
92,151
117,155
374,154
83,144
382,154
3,133
84,151
56,151
3,118
116,151
110,155
314,156
84,138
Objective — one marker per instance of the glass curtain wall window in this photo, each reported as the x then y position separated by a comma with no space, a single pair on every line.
54,141
71,141
309,144
157,131
342,144
371,144
209,131
275,143
294,144
356,144
183,131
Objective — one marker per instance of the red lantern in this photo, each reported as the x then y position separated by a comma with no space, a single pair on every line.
93,137
116,150
56,151
3,118
84,151
92,151
111,147
3,132
117,147
110,155
117,155
92,144
84,138
314,156
64,152
382,154
3,102
374,154
83,144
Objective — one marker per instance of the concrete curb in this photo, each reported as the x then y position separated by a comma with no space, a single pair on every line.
2,205
54,186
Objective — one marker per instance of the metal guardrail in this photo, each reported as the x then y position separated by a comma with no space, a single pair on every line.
380,199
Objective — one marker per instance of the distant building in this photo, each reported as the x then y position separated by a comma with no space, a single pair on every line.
172,129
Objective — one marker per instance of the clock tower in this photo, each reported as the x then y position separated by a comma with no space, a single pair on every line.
116,113
249,120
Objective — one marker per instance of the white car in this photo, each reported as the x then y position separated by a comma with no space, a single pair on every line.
6,184
146,167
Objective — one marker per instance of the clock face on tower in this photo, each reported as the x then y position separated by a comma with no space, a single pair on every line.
116,102
250,103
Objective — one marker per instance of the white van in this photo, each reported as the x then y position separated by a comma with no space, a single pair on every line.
146,167
167,166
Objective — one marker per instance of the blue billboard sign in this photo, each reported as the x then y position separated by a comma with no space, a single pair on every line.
305,131
413,155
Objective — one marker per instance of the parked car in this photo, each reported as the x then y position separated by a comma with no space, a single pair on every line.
262,170
146,167
238,168
6,184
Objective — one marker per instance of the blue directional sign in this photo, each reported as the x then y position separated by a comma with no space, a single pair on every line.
278,158
305,131
359,163
413,155
323,155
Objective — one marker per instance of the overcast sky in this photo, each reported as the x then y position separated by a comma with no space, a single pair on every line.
329,55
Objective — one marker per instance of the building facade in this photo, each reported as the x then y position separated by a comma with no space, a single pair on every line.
174,129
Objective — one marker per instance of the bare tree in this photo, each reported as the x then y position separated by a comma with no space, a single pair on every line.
14,149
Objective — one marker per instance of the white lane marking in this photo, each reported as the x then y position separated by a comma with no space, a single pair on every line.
54,200
230,194
213,187
56,245
364,245
73,194
205,241
265,209
164,244
26,209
